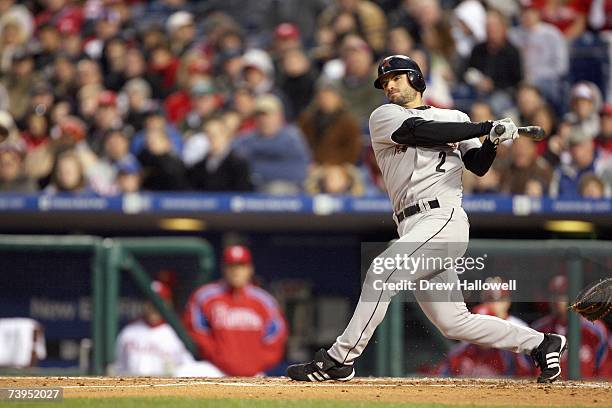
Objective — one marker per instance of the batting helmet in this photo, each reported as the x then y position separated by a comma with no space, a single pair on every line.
401,63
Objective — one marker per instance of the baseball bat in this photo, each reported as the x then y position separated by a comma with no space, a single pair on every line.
535,133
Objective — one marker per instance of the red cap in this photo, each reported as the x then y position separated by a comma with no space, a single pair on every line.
107,98
287,31
68,27
162,290
73,127
607,109
236,254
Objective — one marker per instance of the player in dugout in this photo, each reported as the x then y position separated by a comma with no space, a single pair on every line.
236,325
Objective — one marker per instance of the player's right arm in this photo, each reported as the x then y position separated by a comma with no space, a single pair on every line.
407,129
198,326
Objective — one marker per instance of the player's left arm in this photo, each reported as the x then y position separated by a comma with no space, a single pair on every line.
478,160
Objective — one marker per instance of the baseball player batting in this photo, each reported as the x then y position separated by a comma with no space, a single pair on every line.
421,151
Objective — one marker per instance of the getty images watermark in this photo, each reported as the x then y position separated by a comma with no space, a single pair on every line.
443,270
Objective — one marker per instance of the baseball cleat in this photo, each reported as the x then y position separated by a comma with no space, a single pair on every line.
548,357
322,368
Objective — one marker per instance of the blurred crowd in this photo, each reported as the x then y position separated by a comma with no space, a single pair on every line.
121,96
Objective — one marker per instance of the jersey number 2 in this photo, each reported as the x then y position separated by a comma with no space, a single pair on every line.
442,157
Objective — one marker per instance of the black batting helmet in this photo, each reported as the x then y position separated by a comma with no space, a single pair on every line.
401,63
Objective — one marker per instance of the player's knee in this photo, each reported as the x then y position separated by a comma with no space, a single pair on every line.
450,332
452,326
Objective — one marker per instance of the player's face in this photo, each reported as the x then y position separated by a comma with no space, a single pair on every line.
398,89
238,276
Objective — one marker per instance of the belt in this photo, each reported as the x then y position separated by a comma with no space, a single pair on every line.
415,209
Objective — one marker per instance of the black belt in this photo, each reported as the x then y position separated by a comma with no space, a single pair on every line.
414,209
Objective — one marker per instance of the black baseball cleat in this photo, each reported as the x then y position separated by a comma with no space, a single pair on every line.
548,357
322,368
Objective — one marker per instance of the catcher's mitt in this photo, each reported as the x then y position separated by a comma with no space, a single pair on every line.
595,301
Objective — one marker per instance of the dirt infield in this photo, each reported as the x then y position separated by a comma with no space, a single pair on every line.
478,392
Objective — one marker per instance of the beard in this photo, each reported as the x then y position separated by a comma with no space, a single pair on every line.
403,97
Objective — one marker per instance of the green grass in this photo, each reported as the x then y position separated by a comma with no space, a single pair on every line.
172,402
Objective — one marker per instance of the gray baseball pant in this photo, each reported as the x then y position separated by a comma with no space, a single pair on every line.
441,232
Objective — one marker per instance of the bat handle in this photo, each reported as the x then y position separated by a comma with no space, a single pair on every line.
500,129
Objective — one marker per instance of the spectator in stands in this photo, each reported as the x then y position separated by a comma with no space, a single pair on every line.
544,53
155,119
243,103
469,26
366,19
536,187
258,71
591,186
444,61
495,64
399,41
149,346
585,159
89,73
181,31
568,16
481,111
163,66
205,102
545,117
107,117
36,130
13,177
18,82
604,139
333,134
489,183
50,43
528,101
17,14
221,169
525,165
277,152
102,172
237,326
228,71
324,49
68,174
438,86
113,63
139,102
286,37
298,78
335,179
13,36
557,144
594,351
69,134
136,67
42,97
63,80
192,70
129,175
359,96
585,105
470,360
163,170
